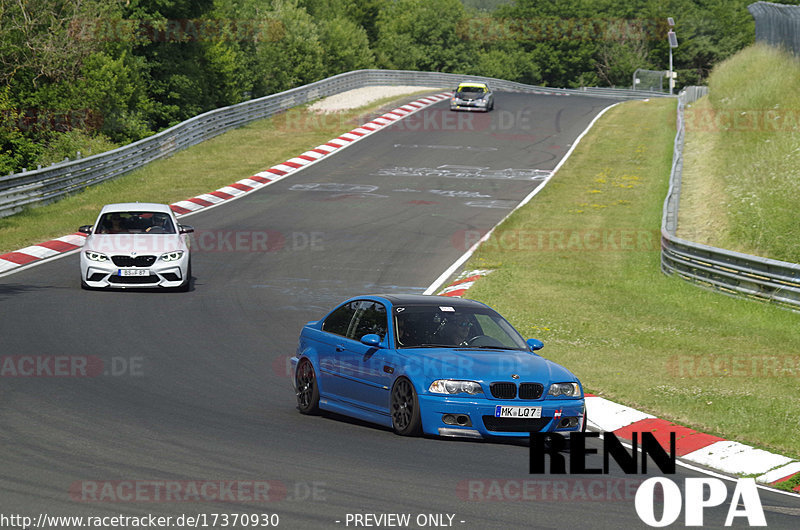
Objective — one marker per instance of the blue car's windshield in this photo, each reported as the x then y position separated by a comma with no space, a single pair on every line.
429,326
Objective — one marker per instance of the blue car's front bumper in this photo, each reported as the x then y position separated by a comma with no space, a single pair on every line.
483,422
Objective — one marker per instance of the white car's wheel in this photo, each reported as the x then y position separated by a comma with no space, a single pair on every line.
187,282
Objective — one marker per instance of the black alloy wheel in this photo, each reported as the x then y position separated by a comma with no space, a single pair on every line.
406,418
307,390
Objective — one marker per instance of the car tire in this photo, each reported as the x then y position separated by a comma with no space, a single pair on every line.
404,408
307,388
187,283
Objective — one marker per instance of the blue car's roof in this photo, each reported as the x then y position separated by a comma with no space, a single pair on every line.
423,299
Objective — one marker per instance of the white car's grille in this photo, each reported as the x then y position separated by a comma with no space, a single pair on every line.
133,261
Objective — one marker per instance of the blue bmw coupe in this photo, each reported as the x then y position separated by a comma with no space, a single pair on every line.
434,365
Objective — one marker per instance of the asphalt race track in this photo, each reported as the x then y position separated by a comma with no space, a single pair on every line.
192,388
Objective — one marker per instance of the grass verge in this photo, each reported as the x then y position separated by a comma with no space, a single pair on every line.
579,268
742,167
200,169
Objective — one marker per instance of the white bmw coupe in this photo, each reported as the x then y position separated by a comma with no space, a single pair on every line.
136,245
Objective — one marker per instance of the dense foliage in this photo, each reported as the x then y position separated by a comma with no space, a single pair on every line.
91,74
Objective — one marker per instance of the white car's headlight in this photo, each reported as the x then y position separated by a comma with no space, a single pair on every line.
564,389
95,256
453,386
172,256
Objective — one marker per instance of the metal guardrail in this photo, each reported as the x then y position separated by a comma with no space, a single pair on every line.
41,186
777,25
723,270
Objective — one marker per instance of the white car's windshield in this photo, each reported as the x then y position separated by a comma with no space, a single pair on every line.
428,326
135,223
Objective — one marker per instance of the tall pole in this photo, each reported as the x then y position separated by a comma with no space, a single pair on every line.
671,80
673,43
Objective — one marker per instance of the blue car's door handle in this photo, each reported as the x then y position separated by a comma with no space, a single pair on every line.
339,347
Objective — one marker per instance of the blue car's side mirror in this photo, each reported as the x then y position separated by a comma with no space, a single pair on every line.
371,339
535,344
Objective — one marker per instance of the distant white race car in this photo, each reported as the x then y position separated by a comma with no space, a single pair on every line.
136,245
472,97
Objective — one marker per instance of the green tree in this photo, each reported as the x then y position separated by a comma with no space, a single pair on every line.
363,13
293,59
120,70
228,78
559,37
423,35
46,39
506,63
115,89
345,46
16,150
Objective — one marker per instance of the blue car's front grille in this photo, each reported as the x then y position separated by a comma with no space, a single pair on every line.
508,390
530,390
515,424
504,390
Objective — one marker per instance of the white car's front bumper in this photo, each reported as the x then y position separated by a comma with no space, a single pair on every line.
160,273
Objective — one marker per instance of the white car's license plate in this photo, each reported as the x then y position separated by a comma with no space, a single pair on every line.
517,412
134,272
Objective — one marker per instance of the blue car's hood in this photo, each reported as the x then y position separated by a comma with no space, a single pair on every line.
482,365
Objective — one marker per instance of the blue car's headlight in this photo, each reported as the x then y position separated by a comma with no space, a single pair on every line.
564,389
172,256
95,256
453,386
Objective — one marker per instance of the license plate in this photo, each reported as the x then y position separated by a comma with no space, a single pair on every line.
517,412
134,272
